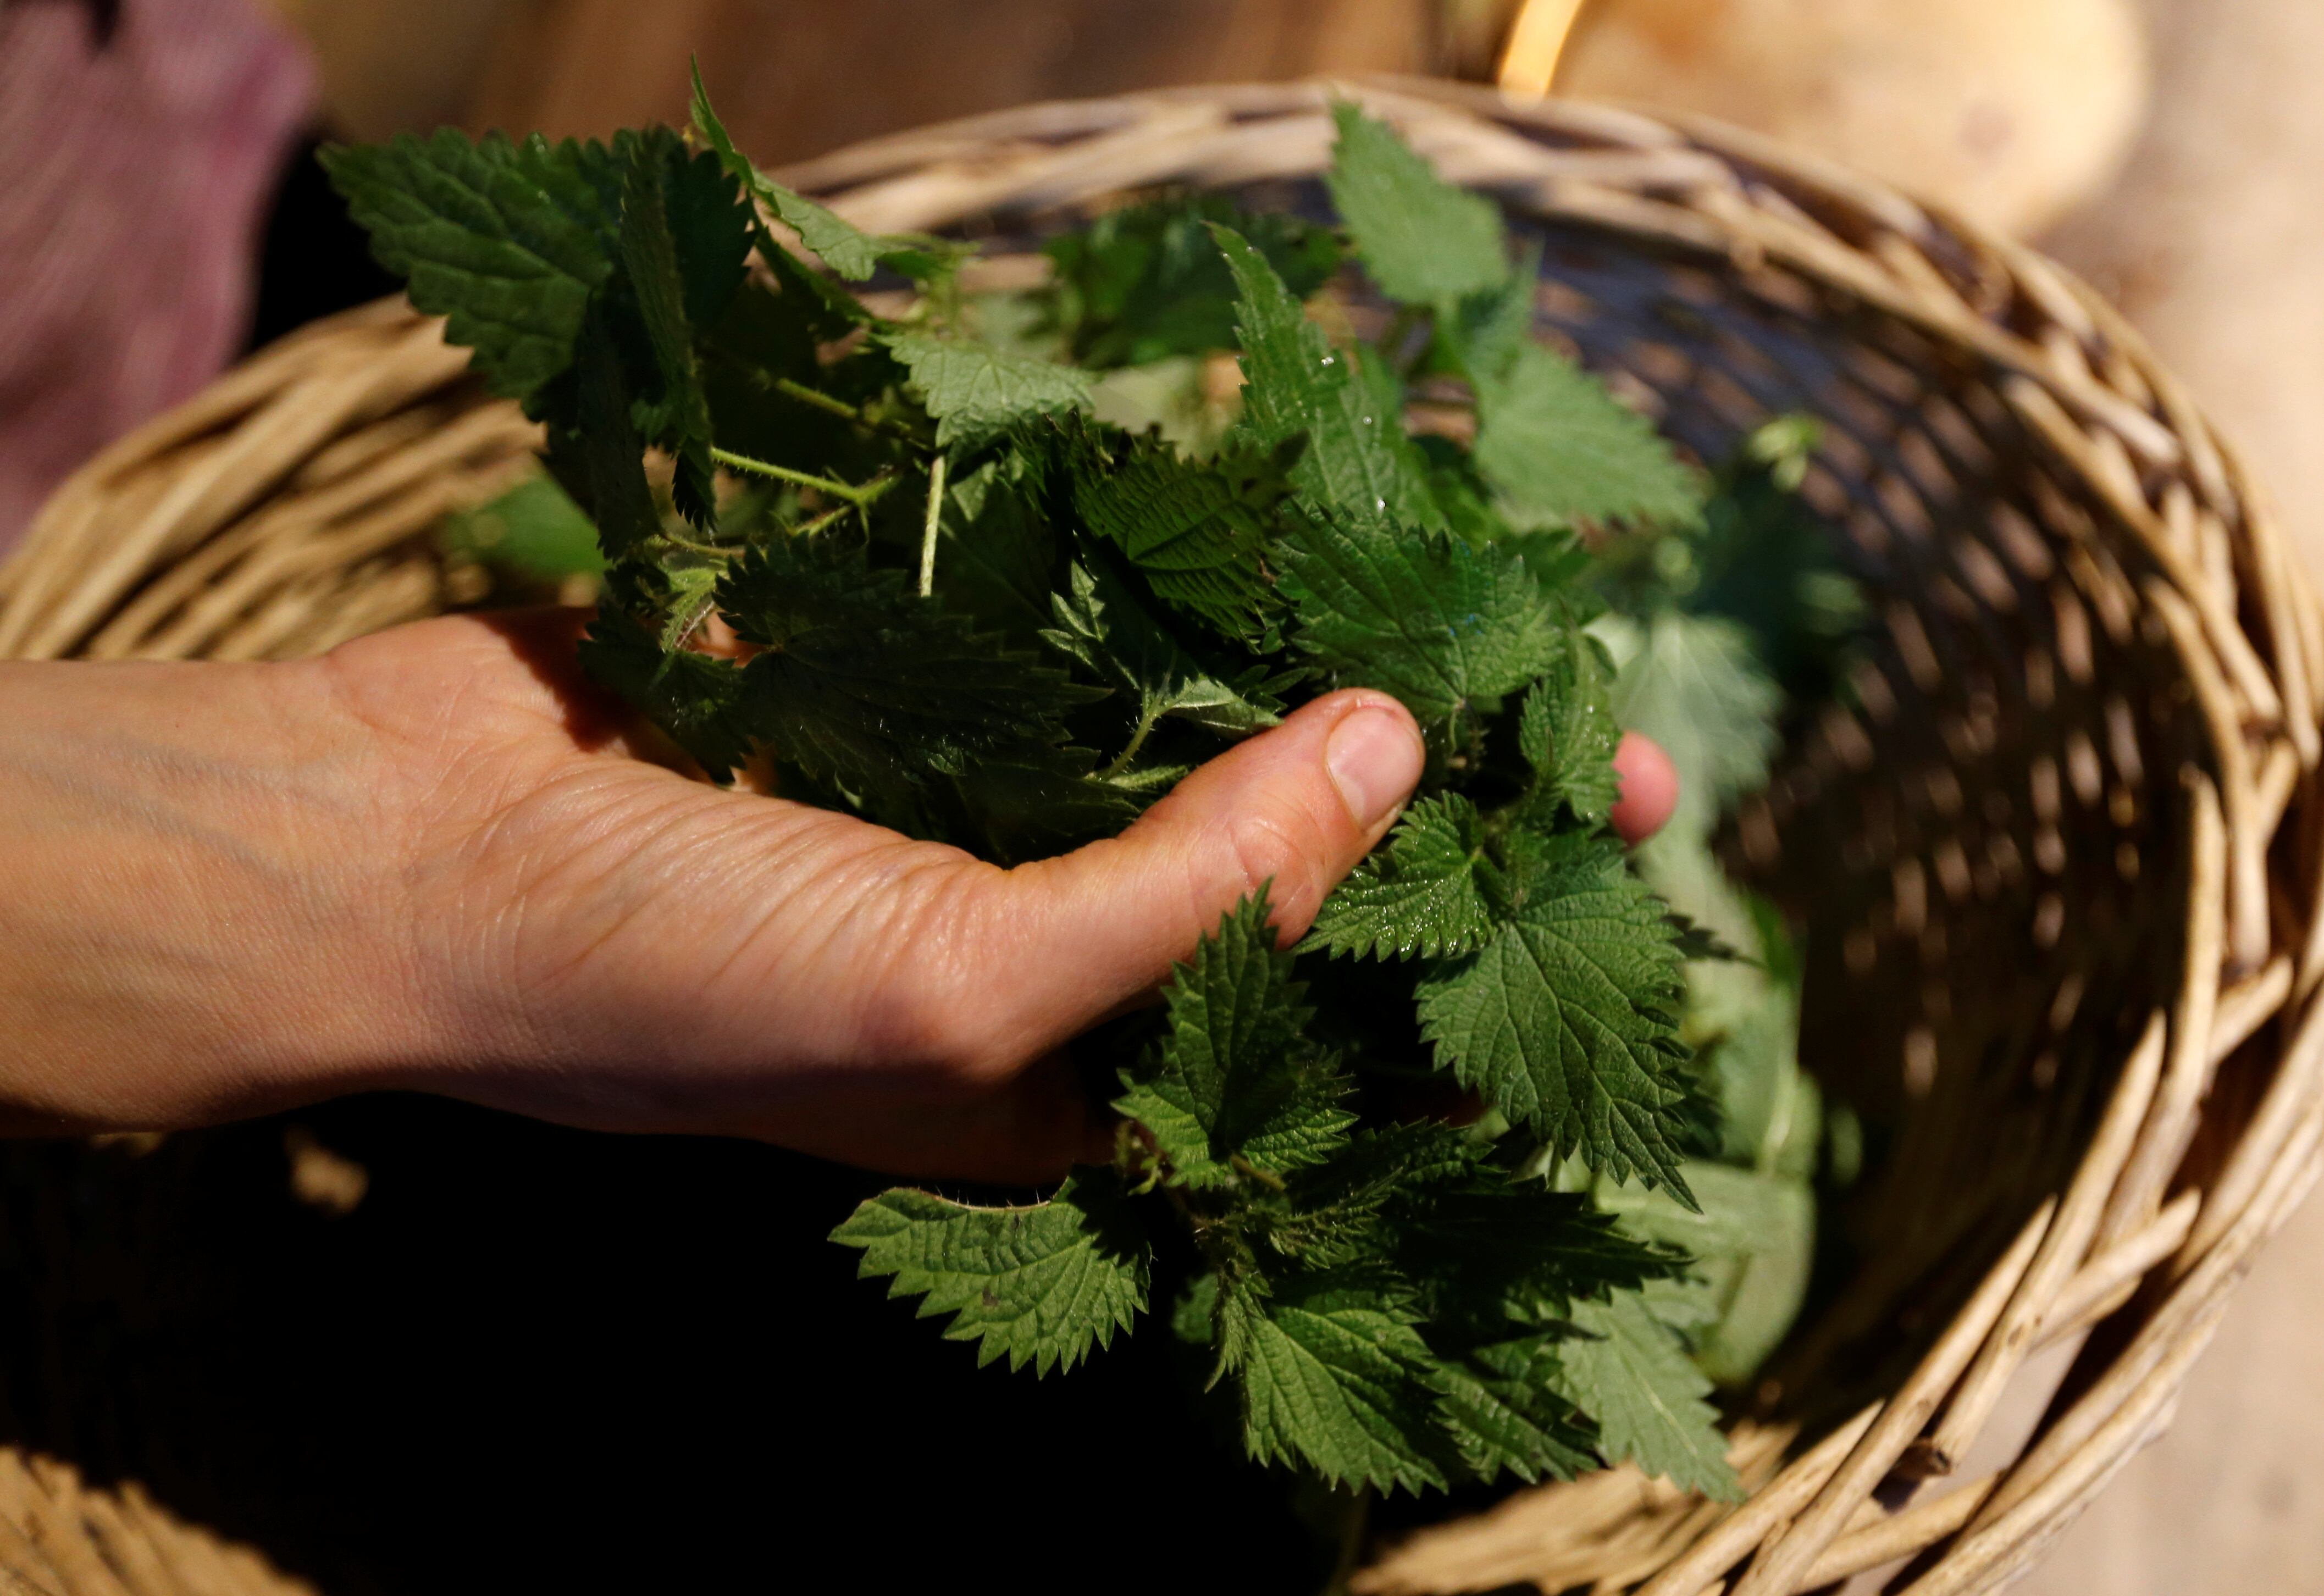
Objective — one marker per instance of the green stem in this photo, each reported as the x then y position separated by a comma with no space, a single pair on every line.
806,528
857,496
817,398
928,536
841,408
1145,724
716,550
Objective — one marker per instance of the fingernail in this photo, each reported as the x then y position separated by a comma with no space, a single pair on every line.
1374,756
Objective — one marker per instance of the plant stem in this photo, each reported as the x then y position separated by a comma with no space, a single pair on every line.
929,537
716,550
858,497
841,408
1145,724
817,398
820,521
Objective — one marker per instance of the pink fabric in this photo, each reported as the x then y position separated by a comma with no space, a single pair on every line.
132,180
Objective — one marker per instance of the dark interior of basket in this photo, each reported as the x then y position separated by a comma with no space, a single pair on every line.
535,1359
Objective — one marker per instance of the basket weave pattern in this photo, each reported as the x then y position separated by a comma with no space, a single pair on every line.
2057,847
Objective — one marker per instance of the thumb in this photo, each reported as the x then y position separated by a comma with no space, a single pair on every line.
1296,807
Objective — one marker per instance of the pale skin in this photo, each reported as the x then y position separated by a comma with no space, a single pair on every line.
436,860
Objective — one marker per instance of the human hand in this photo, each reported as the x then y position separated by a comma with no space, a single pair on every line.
436,860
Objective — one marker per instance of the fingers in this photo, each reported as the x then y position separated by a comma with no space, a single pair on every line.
1649,787
1293,809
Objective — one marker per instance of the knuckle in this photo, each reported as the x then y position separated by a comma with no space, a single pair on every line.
1278,845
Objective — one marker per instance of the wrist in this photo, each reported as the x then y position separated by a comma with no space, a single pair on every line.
208,919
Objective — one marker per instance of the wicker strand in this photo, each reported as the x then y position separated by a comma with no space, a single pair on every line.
2064,1251
1779,1568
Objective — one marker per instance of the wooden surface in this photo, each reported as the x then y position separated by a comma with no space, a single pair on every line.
2214,242
797,77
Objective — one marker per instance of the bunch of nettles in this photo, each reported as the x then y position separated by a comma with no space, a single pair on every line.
973,610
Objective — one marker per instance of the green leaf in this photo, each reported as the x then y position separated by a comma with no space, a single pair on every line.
1425,240
862,682
848,250
534,531
1488,1249
680,421
1352,1208
1567,733
711,226
1358,457
1503,1402
976,393
1197,530
1145,282
1693,684
698,700
1234,1078
1560,447
1424,893
1035,801
997,551
1420,615
499,237
1335,1375
1753,1246
1561,1020
1100,624
1040,1284
1629,1373
599,459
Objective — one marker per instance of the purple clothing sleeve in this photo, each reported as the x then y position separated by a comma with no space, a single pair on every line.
132,180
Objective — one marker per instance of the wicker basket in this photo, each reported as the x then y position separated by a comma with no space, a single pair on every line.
2058,852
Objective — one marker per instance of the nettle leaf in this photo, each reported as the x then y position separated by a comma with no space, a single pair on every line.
1423,240
1629,1371
711,226
1753,1246
976,393
1563,1020
860,681
698,700
1560,447
533,531
1035,801
1100,624
1358,457
1234,1077
1421,614
1040,1284
1424,893
1694,684
998,551
848,250
1486,1249
1349,1209
1335,1375
600,459
680,421
1481,334
1503,1404
1197,530
1145,282
1567,733
503,239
